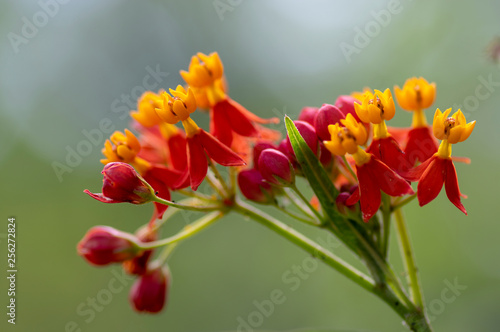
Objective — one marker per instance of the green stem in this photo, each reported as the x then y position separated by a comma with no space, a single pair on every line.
298,203
403,202
187,232
386,221
409,259
299,218
187,207
195,195
349,168
306,202
210,178
167,251
219,177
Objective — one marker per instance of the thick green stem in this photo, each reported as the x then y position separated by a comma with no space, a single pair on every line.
414,318
409,259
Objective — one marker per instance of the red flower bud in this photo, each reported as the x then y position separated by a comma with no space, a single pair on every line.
121,183
254,188
104,245
257,150
307,114
308,133
149,292
138,265
345,104
276,168
327,115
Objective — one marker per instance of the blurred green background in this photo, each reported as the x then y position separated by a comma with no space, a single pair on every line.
70,72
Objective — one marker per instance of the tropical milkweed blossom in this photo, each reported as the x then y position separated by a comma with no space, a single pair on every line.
358,168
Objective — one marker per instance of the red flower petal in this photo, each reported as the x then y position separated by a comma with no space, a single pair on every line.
414,174
432,180
177,149
161,190
386,179
197,161
388,150
451,185
421,145
399,134
369,192
101,198
219,125
218,151
239,122
354,198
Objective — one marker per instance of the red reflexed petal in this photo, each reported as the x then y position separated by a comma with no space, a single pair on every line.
388,150
399,134
218,151
369,193
421,145
464,160
252,117
197,161
161,190
100,197
451,186
432,180
220,126
236,118
415,173
169,177
353,199
386,179
178,154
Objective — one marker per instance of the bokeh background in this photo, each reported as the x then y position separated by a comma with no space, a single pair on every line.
74,70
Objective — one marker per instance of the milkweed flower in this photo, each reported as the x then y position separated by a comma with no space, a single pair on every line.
177,107
125,147
373,175
150,290
103,245
377,107
121,183
416,95
439,168
205,75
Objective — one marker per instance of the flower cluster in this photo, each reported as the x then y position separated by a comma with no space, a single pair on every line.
366,161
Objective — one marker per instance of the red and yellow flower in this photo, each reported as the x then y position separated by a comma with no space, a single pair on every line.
377,107
373,175
227,117
416,95
439,168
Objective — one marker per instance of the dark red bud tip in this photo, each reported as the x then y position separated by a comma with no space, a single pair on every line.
149,292
254,188
307,115
257,150
308,133
276,168
104,245
121,183
138,265
327,115
345,104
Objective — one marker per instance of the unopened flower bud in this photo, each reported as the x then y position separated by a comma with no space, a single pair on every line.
149,292
345,104
121,183
308,133
257,150
307,114
254,188
104,245
276,168
327,115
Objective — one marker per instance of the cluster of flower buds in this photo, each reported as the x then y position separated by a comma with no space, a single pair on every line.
362,156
